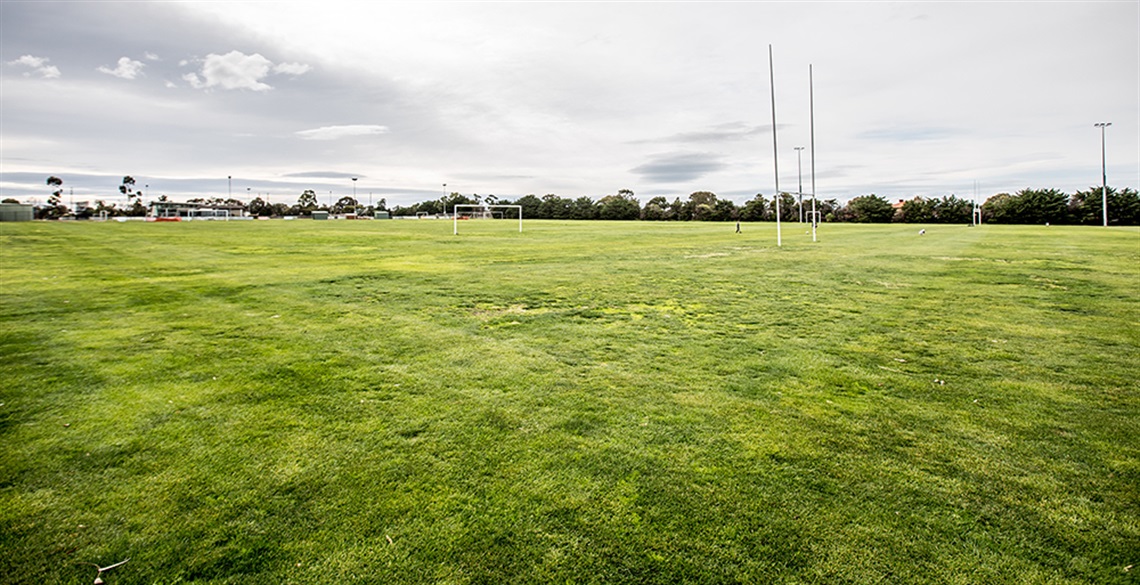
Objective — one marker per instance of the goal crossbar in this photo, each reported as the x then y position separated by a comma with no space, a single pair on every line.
485,208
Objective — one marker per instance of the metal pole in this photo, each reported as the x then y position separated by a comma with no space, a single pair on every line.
1103,173
811,110
230,187
775,150
800,170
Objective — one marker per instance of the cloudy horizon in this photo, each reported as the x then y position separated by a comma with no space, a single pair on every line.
567,98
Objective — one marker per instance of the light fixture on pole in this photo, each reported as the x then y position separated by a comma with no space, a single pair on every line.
800,170
1103,173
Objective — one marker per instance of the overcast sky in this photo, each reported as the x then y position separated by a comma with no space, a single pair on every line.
566,98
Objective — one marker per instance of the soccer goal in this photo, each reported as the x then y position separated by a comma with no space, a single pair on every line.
481,211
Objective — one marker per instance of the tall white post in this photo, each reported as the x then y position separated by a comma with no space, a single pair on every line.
775,149
811,117
1103,173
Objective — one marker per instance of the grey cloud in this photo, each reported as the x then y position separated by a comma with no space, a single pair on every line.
678,167
717,133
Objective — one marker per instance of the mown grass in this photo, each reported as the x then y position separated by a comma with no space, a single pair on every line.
593,402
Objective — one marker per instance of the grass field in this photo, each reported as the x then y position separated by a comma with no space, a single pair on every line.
592,402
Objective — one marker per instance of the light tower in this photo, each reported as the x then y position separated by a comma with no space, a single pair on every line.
1103,173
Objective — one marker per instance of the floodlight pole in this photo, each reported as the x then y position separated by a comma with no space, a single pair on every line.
775,150
800,170
1103,173
811,119
230,186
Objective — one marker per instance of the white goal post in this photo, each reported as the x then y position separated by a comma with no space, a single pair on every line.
485,213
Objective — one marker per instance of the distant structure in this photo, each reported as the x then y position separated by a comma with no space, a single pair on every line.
188,211
17,212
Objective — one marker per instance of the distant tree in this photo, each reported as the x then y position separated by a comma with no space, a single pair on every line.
656,209
447,203
54,208
619,207
1085,207
1038,206
725,210
702,206
259,207
307,202
1000,208
584,208
954,210
917,210
755,209
9,200
870,209
555,207
125,189
787,207
345,204
531,206
679,211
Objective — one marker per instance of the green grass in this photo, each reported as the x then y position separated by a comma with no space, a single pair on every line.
593,402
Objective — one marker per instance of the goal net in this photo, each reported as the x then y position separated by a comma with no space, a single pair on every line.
484,211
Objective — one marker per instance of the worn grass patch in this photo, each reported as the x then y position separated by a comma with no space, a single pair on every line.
593,402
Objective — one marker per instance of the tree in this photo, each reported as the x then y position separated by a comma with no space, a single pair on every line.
1085,207
702,206
755,209
447,203
307,202
584,208
657,209
787,207
870,209
259,207
125,189
1038,206
345,204
917,210
619,207
555,207
531,206
54,209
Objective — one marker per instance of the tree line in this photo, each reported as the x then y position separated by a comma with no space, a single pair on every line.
1028,206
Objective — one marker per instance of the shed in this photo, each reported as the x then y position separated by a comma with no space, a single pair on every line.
16,212
320,215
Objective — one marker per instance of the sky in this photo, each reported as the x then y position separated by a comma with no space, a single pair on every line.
246,99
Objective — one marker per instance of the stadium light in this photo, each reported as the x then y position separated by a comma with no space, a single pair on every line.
230,186
1103,173
800,169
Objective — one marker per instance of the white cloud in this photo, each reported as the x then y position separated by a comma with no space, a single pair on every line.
337,132
126,69
151,56
39,64
292,68
234,70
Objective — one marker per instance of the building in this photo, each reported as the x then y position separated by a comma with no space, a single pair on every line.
188,211
17,212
